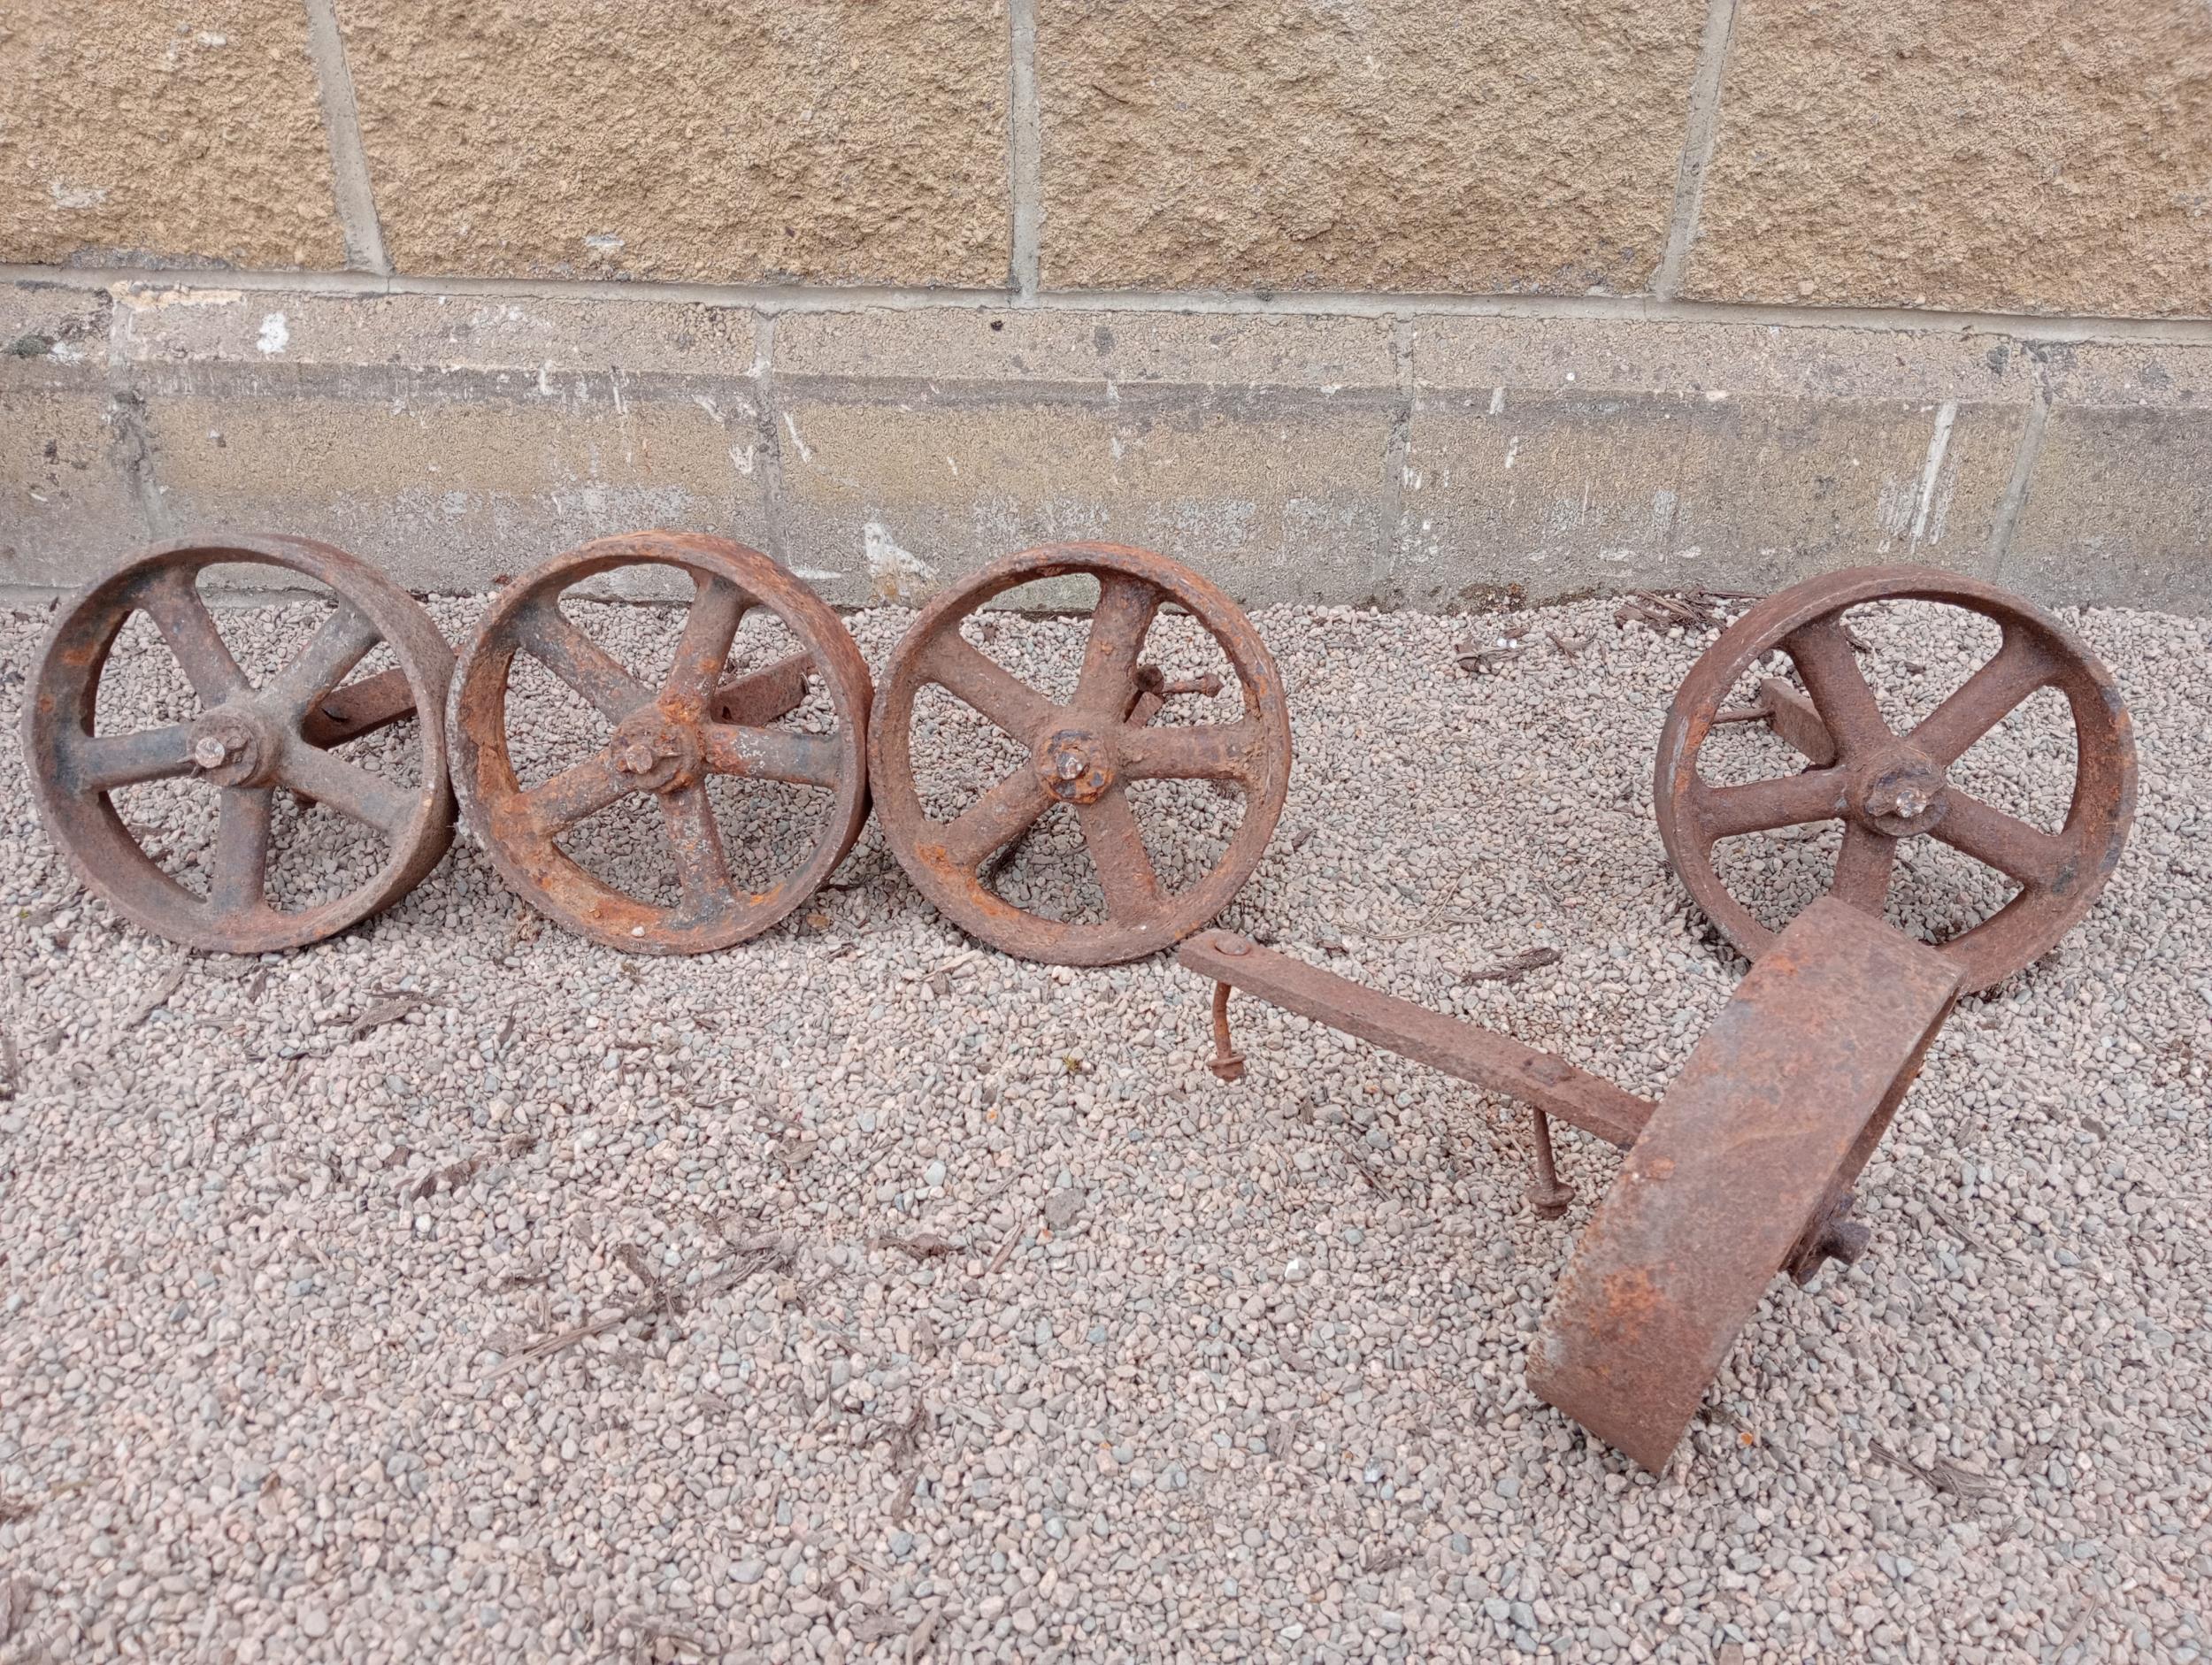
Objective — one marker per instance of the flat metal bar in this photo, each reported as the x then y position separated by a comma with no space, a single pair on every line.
1468,1051
359,707
1771,1120
759,697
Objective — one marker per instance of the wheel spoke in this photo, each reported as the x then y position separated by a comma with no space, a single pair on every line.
2005,842
1119,623
1722,812
577,794
695,843
579,661
1862,868
1824,659
1983,701
1207,751
1117,850
709,629
335,647
996,819
171,600
347,788
100,763
239,881
968,673
774,754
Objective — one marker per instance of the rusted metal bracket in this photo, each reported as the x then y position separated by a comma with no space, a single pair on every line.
1792,717
1742,1172
761,698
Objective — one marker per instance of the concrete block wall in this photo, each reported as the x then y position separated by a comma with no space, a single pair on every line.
1342,300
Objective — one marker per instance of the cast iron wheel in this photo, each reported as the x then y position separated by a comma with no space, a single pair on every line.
1082,754
246,740
667,742
1887,787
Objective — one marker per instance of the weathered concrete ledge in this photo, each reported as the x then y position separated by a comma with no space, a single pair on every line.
1413,459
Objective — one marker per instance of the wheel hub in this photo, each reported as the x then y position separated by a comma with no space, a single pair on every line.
1900,794
1075,766
655,752
234,748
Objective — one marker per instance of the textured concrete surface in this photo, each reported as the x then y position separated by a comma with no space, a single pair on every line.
2046,155
1429,461
1608,456
912,451
450,439
160,131
749,140
1285,145
2119,504
68,494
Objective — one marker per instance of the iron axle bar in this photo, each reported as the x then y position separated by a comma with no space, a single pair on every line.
1473,1054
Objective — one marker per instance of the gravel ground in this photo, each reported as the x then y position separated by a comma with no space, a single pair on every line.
941,1306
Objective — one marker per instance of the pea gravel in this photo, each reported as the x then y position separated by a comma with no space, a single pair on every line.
458,1290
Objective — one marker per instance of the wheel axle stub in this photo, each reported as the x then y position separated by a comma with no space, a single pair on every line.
244,742
1886,787
1086,753
668,739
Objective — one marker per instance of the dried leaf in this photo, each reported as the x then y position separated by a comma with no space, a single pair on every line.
387,1007
1512,970
171,980
923,1245
14,1510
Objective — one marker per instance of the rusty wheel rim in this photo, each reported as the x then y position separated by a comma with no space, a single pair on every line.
1744,1171
246,740
1083,753
667,741
1887,787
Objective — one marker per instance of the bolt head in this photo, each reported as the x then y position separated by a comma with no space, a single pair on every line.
210,752
1070,765
636,758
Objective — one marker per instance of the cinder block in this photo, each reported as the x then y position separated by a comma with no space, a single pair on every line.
69,497
1562,457
2119,504
915,448
745,140
162,130
450,439
2039,156
1279,144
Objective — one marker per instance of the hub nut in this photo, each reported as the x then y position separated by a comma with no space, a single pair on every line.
1075,766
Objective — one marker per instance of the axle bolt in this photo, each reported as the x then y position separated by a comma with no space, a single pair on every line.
637,758
211,751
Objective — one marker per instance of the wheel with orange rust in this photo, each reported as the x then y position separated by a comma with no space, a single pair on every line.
244,738
799,724
1888,788
1085,752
